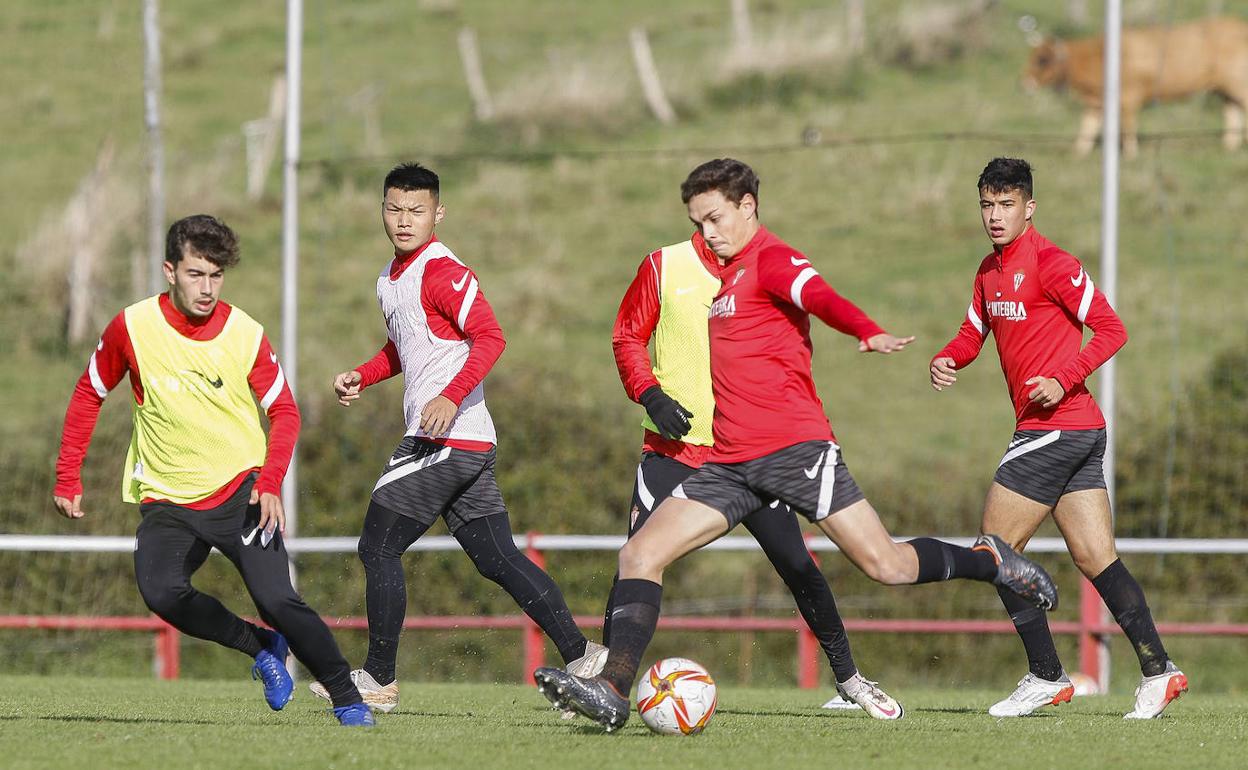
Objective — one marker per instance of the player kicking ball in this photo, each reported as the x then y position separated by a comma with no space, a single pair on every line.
772,440
200,467
443,339
666,303
1036,299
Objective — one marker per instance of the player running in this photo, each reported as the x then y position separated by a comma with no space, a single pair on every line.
667,301
199,465
443,339
772,441
1036,299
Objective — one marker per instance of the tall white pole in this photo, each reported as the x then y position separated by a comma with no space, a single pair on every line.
1109,244
155,147
290,238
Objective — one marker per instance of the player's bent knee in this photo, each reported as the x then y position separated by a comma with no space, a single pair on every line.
640,562
166,601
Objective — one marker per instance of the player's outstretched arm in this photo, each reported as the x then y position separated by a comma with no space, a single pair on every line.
883,343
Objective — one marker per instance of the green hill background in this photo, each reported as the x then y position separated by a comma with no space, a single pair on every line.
868,165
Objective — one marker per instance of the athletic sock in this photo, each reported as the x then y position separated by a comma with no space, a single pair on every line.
1125,600
634,619
1032,625
251,641
939,561
382,653
606,615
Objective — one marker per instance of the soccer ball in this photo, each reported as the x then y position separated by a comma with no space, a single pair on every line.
676,697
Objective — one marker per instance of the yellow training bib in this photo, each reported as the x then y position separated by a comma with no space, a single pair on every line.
198,426
682,350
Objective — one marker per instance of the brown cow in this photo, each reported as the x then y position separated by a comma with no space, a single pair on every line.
1158,63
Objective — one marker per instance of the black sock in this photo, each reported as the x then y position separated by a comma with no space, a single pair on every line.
636,615
939,561
489,543
252,640
606,615
1125,600
1032,625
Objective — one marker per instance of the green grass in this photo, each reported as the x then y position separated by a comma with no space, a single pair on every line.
131,722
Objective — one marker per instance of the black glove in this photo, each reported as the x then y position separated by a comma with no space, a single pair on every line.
666,413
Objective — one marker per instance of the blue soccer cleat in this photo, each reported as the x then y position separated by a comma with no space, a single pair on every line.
270,668
355,715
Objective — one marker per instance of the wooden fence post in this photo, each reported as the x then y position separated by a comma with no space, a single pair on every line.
482,106
651,86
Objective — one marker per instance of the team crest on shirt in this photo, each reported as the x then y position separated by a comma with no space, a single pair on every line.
632,518
1018,279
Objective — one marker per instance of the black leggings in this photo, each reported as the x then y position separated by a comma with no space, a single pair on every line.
488,542
174,541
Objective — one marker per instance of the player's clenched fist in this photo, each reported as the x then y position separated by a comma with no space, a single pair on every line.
347,386
943,373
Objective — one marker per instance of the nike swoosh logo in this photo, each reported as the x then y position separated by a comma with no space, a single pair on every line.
799,262
273,357
463,279
683,290
393,461
1077,280
217,383
813,470
250,536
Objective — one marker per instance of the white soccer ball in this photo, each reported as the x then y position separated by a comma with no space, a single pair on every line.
676,697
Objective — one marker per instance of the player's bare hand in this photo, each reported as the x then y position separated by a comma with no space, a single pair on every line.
69,508
272,514
437,416
1047,393
347,386
943,373
884,343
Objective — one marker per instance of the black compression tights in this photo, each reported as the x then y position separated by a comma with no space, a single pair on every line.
488,542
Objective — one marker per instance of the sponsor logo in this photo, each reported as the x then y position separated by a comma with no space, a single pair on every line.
740,273
1009,311
724,307
101,345
1078,279
217,383
683,290
273,357
813,470
1018,279
463,279
250,536
799,262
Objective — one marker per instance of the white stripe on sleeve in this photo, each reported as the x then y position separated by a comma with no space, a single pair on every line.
1086,302
275,389
93,370
795,291
973,317
469,296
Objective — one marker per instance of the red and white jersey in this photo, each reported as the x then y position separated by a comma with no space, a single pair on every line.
1036,299
114,358
765,396
443,336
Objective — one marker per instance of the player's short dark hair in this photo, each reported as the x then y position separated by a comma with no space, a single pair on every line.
205,236
1005,174
411,176
732,178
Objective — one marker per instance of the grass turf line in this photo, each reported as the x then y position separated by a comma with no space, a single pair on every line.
59,722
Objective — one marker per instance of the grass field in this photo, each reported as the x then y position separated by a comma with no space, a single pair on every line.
133,722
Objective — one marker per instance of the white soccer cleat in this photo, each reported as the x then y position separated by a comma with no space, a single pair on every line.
867,694
587,666
1033,693
1156,692
384,699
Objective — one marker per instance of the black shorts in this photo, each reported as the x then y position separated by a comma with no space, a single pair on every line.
1043,465
810,477
657,476
424,480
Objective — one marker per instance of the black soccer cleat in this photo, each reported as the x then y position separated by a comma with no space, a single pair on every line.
1018,573
593,698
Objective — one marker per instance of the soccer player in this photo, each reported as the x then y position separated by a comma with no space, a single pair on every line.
667,302
772,440
1035,298
443,339
200,467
